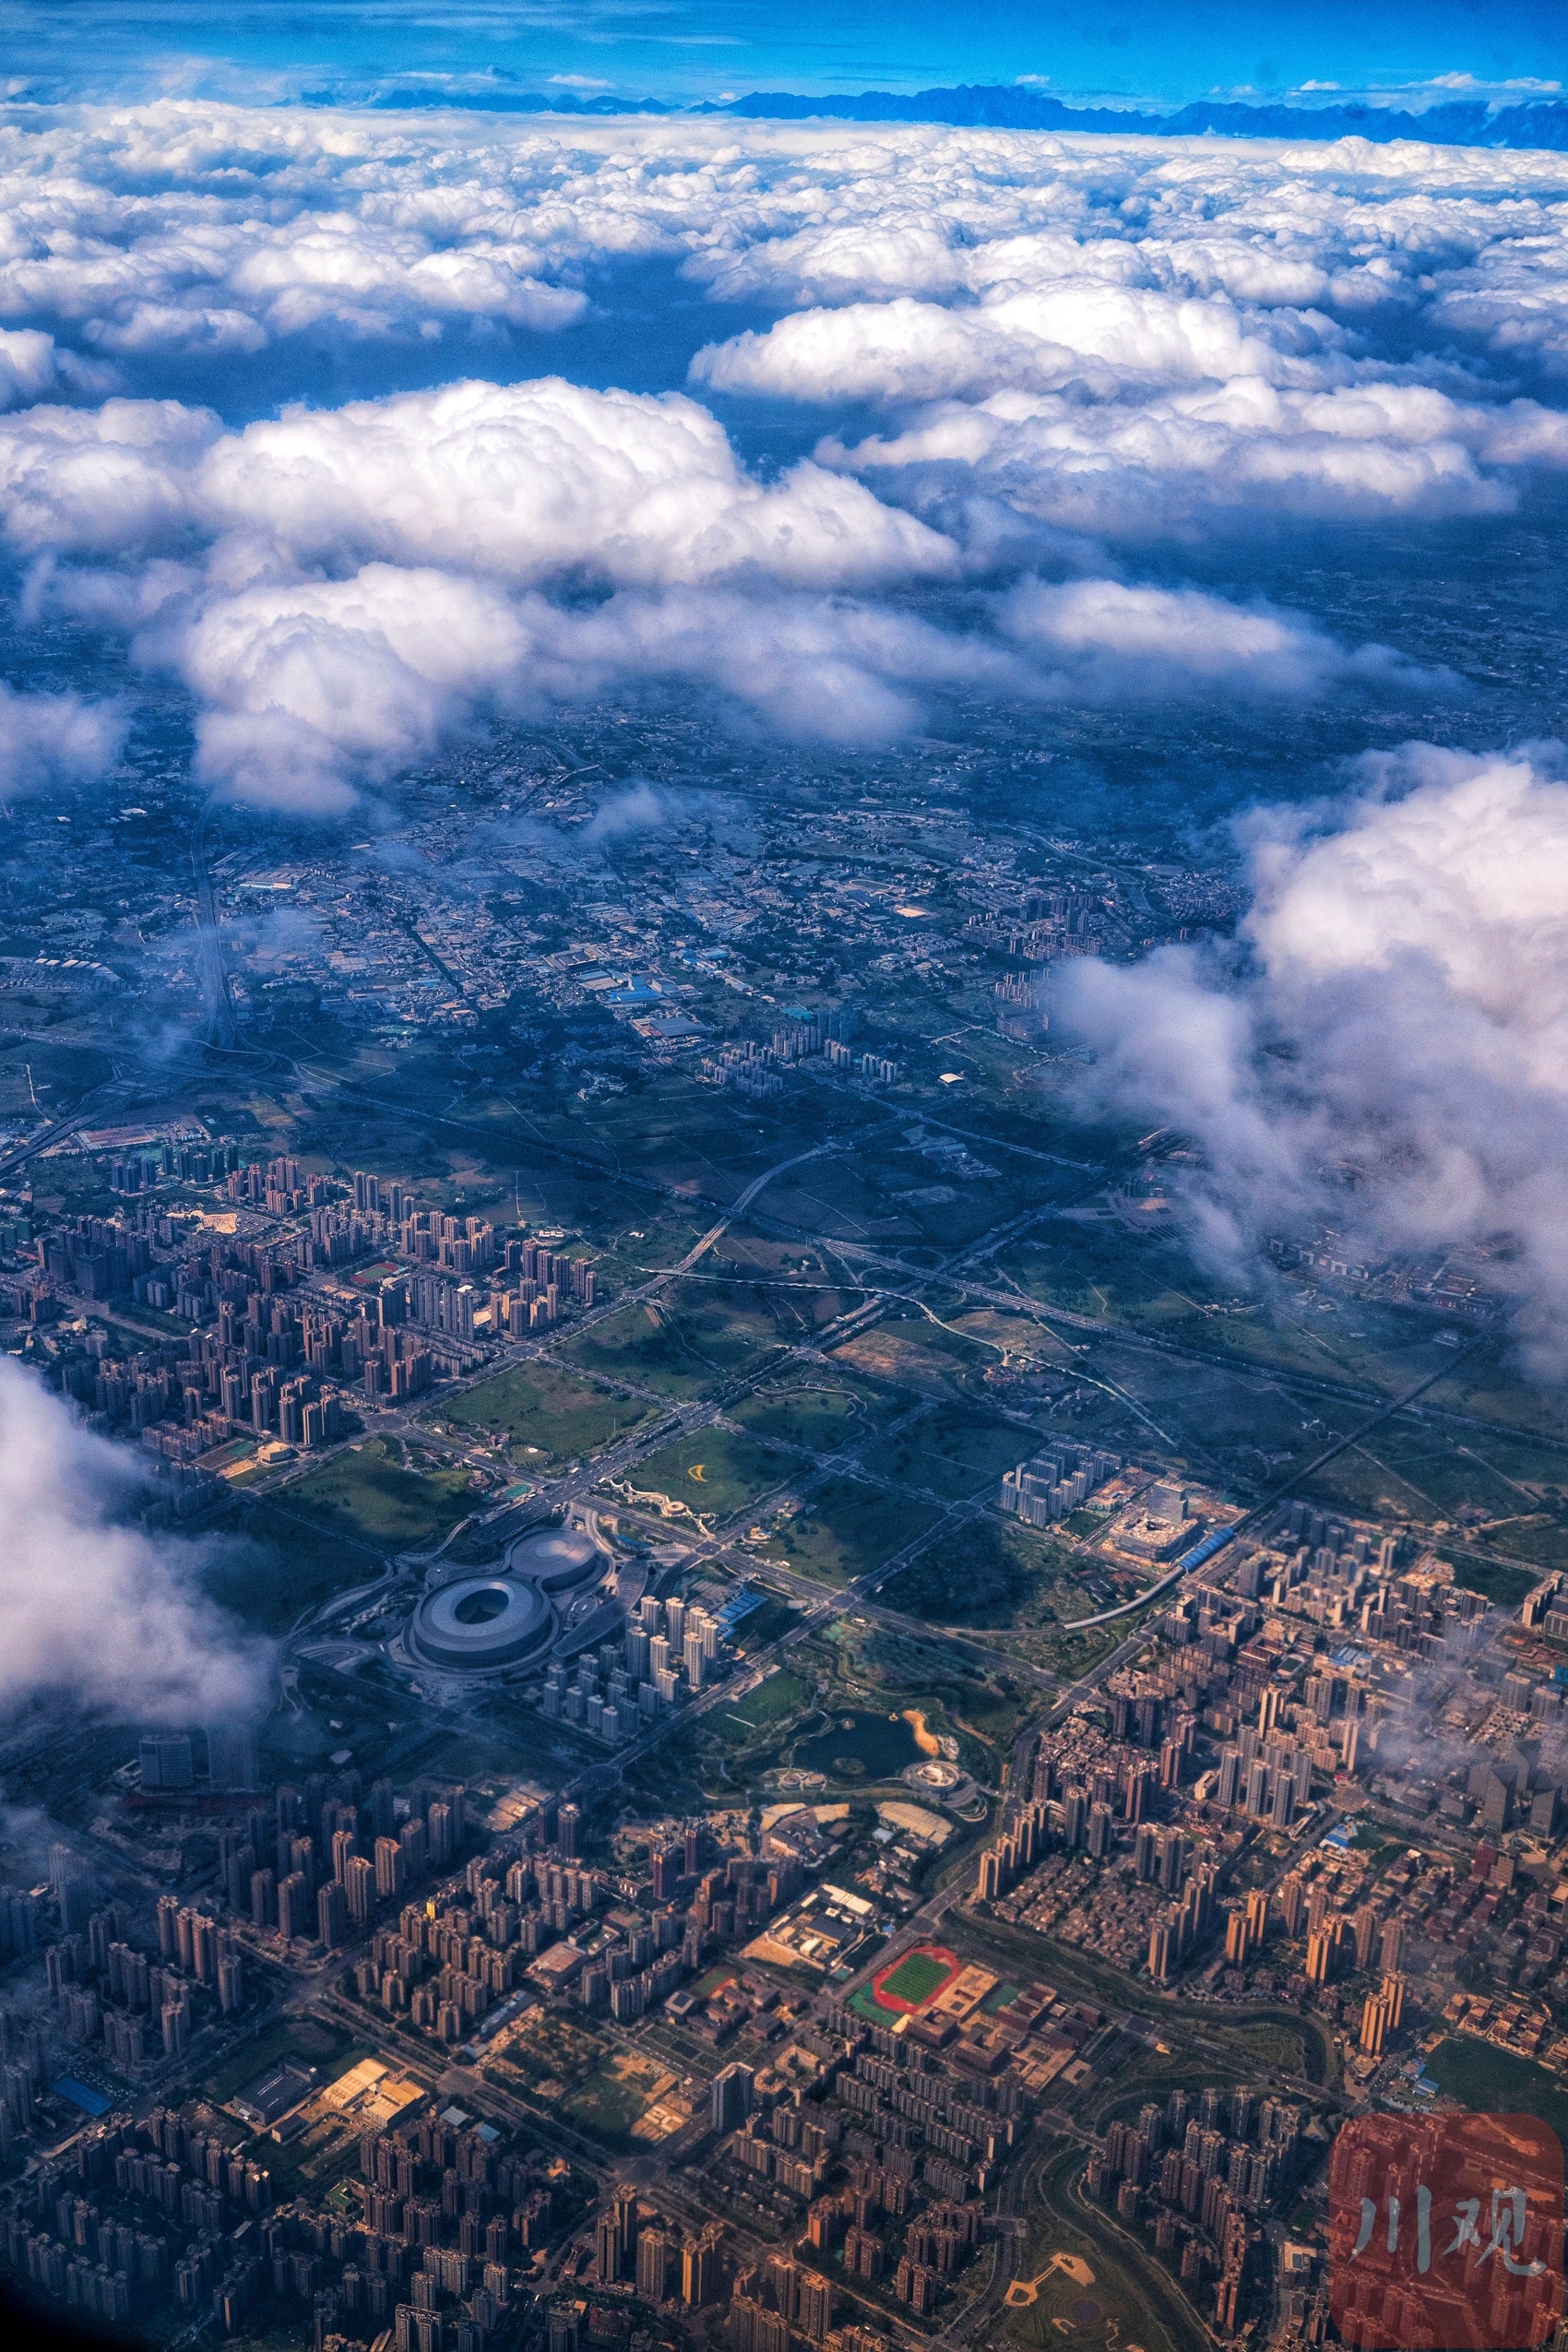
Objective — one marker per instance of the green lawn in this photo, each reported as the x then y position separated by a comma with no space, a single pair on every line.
846,1530
713,1471
1121,2295
370,1493
916,1977
912,1459
281,1566
780,1696
680,1348
609,2103
763,1627
1507,1587
547,1415
1493,2082
824,1411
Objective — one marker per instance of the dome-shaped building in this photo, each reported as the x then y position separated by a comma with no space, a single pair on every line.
484,1620
504,1615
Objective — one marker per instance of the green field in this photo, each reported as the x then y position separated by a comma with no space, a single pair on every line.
763,1627
916,1354
774,1701
953,1453
1506,1586
368,1492
552,2054
916,1977
1493,2082
680,1349
1122,2294
546,1414
278,1565
990,1571
903,1461
844,1529
616,2095
713,1471
824,1411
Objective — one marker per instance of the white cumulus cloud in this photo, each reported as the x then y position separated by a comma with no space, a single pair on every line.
94,1609
1141,469
548,479
1387,1052
309,689
55,738
1127,641
1119,339
107,481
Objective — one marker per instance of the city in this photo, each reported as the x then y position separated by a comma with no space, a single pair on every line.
693,1879
783,1155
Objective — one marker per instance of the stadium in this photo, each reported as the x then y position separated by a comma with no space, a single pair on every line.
499,1617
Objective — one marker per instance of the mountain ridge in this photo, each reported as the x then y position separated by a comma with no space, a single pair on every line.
1466,122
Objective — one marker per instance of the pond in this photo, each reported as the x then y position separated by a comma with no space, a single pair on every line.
858,1747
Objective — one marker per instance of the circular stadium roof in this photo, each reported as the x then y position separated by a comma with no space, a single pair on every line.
483,1620
556,1560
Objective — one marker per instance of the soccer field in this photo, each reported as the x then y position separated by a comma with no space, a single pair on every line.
917,1977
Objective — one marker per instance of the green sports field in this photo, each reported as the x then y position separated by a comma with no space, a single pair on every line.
916,1977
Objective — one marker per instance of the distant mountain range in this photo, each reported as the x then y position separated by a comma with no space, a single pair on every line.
1459,123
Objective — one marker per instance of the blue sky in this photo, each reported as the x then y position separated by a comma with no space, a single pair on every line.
707,48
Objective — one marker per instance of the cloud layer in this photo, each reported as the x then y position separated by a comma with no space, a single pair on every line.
91,1608
345,590
1130,340
184,225
1388,1053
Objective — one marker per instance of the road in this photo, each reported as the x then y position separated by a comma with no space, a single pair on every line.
1019,1302
742,1203
221,1027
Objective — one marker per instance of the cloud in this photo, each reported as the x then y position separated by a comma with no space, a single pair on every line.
637,808
192,228
1121,339
1033,340
32,364
543,481
1385,1053
55,738
548,479
92,1608
1107,408
312,690
1237,450
832,670
197,229
110,481
1118,642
